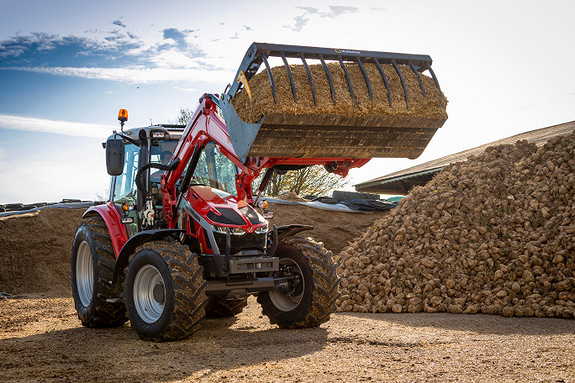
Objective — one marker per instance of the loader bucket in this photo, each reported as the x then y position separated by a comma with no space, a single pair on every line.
332,103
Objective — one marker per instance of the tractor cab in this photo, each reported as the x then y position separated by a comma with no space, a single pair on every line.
127,154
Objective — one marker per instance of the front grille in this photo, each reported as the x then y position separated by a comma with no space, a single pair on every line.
248,241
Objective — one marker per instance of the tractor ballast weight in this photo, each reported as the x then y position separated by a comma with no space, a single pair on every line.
333,135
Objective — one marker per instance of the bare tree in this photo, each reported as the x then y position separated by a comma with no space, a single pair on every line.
313,180
184,115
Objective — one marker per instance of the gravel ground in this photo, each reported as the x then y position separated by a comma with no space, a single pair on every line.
42,340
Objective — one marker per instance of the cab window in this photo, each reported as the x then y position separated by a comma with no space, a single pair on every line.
160,154
215,170
125,184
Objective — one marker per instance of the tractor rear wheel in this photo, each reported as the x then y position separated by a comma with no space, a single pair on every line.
92,264
308,298
219,307
165,291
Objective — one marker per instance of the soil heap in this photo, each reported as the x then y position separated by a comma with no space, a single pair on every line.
35,251
494,234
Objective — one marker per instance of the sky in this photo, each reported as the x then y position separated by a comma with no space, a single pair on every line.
67,67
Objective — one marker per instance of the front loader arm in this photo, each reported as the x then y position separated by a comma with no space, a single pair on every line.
204,126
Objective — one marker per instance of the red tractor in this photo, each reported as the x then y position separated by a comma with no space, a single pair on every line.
180,237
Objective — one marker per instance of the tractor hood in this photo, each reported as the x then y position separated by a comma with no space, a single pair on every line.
223,209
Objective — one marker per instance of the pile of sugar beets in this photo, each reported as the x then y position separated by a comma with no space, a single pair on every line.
494,234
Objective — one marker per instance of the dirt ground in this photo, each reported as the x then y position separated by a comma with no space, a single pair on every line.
42,340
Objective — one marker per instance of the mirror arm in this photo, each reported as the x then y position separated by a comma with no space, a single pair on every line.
138,144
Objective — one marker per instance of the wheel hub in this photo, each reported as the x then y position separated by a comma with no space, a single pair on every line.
149,294
158,293
296,285
289,294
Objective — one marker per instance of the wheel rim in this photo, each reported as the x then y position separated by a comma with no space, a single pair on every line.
149,294
84,274
287,300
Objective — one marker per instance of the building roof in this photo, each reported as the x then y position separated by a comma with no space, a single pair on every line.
403,181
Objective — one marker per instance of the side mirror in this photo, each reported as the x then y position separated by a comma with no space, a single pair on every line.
115,156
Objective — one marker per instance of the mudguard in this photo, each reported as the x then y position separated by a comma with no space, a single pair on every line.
138,239
287,231
113,221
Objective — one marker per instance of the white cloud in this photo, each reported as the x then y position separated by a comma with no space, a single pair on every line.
135,74
54,126
185,89
173,59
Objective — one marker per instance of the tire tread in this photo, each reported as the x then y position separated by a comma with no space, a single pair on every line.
103,313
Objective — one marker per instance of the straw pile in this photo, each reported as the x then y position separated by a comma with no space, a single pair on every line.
262,101
494,234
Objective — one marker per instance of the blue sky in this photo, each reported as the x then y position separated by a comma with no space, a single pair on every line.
66,67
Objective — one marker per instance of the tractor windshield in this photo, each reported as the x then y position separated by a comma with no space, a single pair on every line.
215,170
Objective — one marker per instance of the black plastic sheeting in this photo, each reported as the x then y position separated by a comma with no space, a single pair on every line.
368,204
15,209
359,204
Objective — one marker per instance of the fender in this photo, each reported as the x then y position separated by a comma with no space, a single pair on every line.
113,221
291,230
130,246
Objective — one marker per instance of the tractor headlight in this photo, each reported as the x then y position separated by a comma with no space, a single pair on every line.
262,229
233,230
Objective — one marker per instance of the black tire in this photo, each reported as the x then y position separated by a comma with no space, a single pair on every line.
165,291
219,307
309,304
92,266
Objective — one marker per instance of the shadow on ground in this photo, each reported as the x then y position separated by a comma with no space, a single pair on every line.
118,355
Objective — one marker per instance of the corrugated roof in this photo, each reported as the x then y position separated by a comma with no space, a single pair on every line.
402,181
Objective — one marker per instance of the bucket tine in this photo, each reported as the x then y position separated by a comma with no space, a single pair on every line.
402,83
326,69
366,78
437,84
384,80
272,83
311,83
418,78
348,78
290,76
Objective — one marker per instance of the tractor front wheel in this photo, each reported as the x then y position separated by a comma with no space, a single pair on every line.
308,295
165,291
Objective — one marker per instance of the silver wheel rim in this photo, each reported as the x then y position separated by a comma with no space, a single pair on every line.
149,294
84,274
285,301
